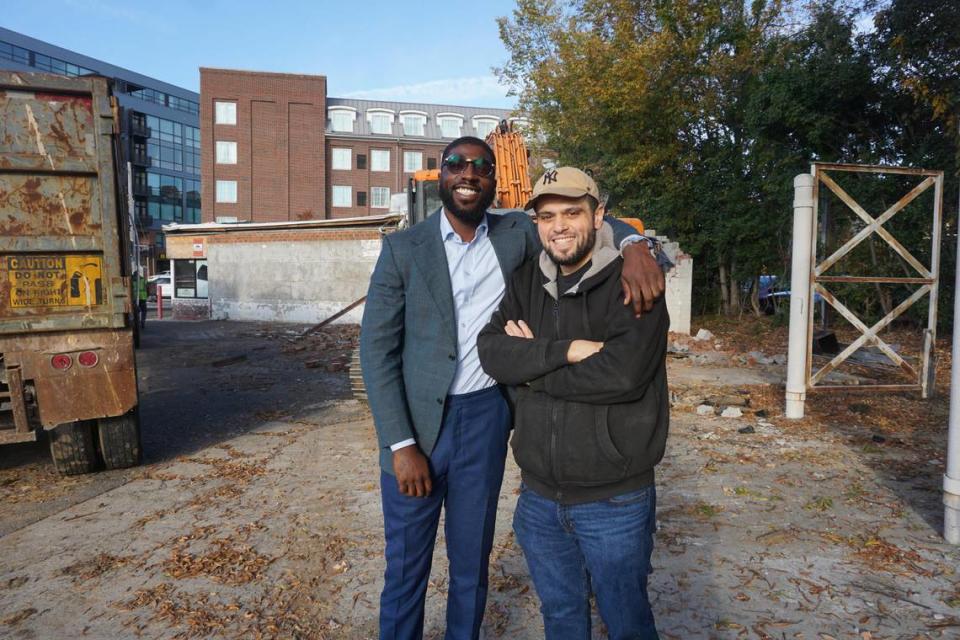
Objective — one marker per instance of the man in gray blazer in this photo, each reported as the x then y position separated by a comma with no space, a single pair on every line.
442,423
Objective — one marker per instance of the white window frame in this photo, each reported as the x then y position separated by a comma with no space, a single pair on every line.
487,119
409,167
226,192
521,124
379,153
226,152
225,112
421,122
447,117
350,111
345,195
344,153
385,202
380,113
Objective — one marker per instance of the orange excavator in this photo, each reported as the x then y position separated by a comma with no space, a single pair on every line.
513,176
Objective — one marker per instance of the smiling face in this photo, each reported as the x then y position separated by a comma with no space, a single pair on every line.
568,229
467,195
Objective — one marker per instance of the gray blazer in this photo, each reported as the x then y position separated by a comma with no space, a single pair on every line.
408,336
408,339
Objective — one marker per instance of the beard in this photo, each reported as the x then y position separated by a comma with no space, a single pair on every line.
581,251
472,215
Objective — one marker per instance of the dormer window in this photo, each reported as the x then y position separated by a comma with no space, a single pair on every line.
341,119
520,124
483,125
450,124
414,122
381,121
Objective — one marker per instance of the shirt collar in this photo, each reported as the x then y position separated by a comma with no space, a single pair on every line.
447,232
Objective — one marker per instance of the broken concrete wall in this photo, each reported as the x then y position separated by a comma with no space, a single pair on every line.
307,275
679,282
300,276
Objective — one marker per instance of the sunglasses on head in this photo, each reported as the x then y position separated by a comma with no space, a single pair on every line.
457,163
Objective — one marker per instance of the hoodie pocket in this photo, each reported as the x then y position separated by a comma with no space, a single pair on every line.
587,454
531,435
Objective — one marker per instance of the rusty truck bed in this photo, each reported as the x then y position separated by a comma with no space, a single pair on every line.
66,352
60,259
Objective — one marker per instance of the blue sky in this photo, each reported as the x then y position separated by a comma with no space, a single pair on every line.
407,51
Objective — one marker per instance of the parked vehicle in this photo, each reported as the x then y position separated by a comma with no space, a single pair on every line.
164,281
772,296
67,362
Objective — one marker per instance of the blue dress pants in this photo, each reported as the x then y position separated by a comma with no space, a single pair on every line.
466,467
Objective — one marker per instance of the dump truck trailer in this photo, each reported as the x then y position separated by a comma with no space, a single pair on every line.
67,362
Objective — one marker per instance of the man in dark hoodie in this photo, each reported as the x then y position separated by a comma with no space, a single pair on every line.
591,415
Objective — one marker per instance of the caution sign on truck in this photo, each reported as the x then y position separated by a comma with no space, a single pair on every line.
55,281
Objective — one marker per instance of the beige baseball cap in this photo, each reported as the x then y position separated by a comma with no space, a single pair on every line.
569,182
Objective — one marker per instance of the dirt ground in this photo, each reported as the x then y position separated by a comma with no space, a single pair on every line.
270,527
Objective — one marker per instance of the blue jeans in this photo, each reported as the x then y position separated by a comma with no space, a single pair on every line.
466,466
608,543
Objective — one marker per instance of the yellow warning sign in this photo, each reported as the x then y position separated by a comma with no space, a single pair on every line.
55,281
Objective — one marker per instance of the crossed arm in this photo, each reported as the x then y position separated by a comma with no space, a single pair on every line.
618,369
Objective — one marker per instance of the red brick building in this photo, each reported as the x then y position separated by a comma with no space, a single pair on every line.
274,147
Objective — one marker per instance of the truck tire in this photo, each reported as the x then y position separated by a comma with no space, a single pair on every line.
119,440
356,377
72,448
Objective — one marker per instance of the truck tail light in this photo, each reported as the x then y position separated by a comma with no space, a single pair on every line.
61,361
88,359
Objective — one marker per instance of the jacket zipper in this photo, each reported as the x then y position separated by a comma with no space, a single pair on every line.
553,426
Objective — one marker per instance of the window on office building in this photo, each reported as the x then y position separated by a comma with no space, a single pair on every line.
226,152
381,122
341,120
341,159
226,112
379,160
361,198
413,124
226,191
342,196
412,161
380,197
361,161
14,53
431,163
192,213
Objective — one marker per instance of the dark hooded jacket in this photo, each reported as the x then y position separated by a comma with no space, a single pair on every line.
595,429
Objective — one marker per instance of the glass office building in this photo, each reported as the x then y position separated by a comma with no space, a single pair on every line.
160,136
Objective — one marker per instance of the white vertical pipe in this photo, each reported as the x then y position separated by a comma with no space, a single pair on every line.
799,294
951,479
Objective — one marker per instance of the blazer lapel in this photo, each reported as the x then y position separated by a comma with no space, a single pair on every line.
432,262
509,243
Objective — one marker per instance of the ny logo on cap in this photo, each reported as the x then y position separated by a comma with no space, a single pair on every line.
550,176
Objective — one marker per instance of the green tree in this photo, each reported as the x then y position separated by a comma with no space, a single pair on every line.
691,114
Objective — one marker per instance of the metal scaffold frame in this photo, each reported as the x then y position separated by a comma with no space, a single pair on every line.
928,278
